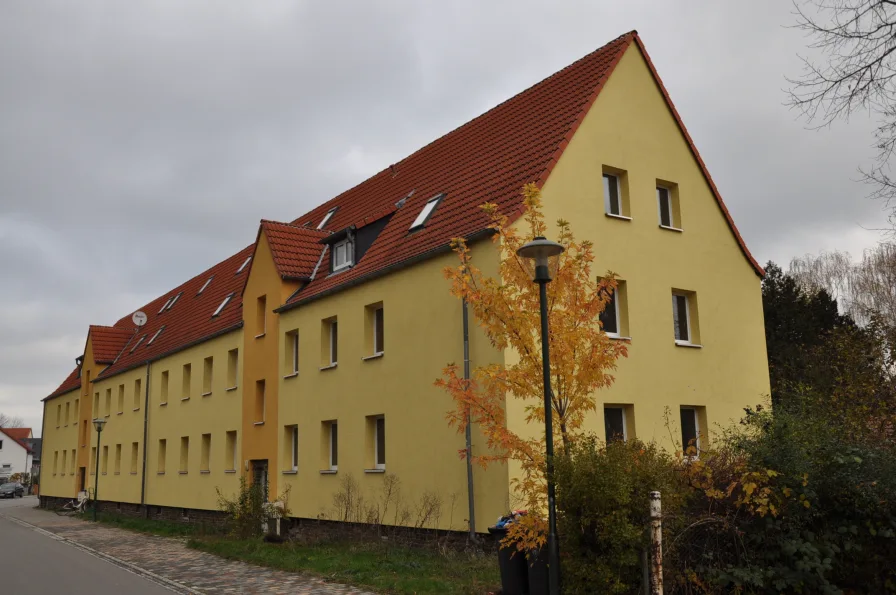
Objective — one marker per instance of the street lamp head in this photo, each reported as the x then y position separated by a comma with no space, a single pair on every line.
98,423
541,257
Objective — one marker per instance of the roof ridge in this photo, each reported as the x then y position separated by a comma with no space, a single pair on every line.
321,232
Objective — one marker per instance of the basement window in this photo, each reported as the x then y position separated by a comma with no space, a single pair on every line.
204,285
173,301
244,265
327,218
158,332
223,304
427,212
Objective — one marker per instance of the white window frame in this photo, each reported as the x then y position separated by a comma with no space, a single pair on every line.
659,209
165,306
334,425
615,304
347,245
426,212
158,332
334,334
326,218
376,442
693,410
223,305
173,301
294,447
295,352
136,345
687,314
376,336
244,265
624,420
604,176
204,285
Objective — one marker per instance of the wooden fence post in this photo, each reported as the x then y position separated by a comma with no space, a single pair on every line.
656,545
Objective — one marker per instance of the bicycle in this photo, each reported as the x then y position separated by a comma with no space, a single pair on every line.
73,507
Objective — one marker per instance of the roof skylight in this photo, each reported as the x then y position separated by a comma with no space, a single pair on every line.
173,301
137,344
223,304
327,217
244,265
204,285
165,306
158,332
427,211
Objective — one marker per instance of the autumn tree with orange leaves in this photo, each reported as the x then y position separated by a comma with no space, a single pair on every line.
508,311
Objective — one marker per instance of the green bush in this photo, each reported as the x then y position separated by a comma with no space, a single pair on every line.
603,499
245,510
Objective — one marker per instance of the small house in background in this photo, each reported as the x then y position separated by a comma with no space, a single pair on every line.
15,452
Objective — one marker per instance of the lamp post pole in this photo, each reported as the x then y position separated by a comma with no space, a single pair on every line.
542,251
98,424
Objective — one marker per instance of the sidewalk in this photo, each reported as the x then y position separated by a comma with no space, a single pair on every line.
182,569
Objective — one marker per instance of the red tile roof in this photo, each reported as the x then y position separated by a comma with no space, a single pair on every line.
72,382
108,342
488,159
296,250
19,435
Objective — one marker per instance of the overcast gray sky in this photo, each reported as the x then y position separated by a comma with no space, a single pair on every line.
141,141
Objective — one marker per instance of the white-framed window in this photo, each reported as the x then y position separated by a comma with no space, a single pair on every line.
379,443
155,336
342,255
664,205
294,351
427,212
334,446
690,430
326,218
294,446
204,285
609,318
223,305
137,344
334,342
378,342
612,195
165,305
615,423
173,301
244,265
681,318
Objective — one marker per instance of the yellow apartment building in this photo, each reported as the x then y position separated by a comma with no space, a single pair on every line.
309,356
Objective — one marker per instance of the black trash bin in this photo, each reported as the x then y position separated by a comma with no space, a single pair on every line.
513,567
538,572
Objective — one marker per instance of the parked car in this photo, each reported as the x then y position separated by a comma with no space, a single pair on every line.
12,490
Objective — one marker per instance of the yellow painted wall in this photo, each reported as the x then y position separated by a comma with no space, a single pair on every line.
423,333
59,437
215,414
631,129
261,360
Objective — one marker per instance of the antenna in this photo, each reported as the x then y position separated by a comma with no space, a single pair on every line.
139,318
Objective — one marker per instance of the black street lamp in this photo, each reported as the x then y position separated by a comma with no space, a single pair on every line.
98,423
544,254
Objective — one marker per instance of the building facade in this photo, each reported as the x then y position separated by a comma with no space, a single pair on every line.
16,455
306,361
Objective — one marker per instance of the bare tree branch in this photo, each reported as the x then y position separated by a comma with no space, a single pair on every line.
11,421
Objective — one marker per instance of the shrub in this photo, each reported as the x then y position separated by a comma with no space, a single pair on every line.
249,511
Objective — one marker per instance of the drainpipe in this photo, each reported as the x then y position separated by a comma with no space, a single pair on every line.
145,446
469,437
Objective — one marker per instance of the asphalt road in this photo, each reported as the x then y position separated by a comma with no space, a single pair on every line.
32,563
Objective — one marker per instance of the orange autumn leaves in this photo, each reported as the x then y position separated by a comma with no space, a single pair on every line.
507,310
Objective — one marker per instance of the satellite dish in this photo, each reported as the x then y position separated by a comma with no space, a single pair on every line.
139,318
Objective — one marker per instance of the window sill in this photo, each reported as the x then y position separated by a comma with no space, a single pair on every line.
258,423
165,404
259,336
185,399
291,472
678,229
375,470
330,367
117,473
160,473
107,415
208,394
230,471
688,344
136,409
230,389
374,356
57,427
623,217
133,473
103,473
328,471
182,472
204,471
618,337
120,413
293,375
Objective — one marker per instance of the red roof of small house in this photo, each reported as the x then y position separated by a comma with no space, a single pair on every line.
19,435
488,159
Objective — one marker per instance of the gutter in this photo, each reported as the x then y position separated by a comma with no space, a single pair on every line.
145,449
439,250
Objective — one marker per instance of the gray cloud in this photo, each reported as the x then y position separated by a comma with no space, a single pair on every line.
140,142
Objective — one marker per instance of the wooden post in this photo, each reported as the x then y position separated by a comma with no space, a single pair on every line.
656,545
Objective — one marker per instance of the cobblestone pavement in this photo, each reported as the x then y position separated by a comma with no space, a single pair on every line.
169,558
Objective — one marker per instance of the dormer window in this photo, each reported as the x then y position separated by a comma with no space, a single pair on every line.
427,212
244,265
342,255
326,218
